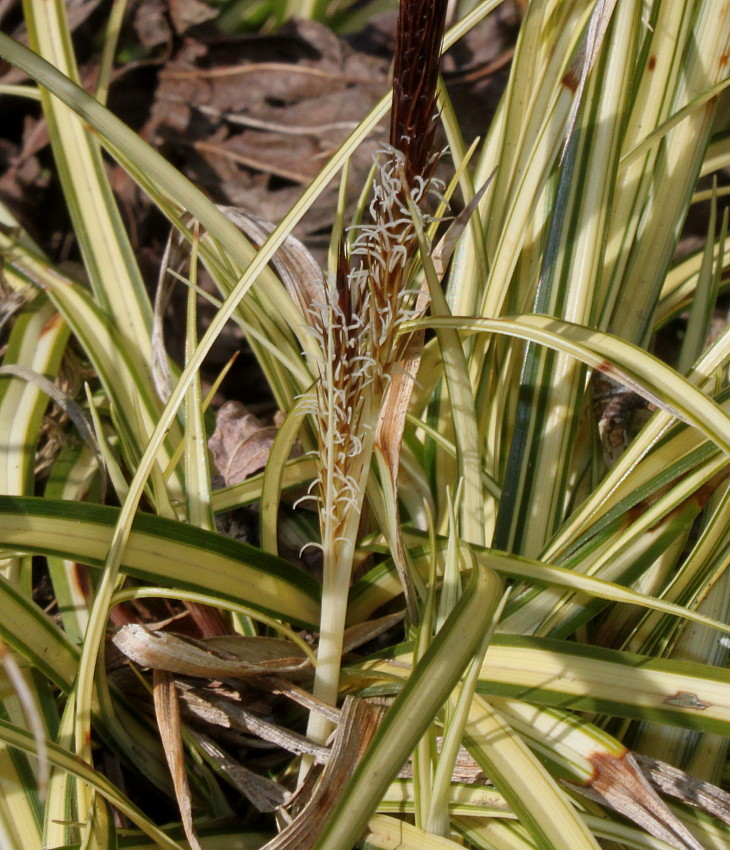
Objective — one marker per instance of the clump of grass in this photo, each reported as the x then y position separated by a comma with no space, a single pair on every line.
449,465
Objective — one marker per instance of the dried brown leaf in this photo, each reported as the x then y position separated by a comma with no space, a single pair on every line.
620,784
361,633
265,794
268,152
167,710
234,656
294,264
358,724
388,443
277,685
238,112
241,443
150,24
688,789
189,13
223,712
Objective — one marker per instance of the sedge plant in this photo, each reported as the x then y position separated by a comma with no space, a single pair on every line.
496,455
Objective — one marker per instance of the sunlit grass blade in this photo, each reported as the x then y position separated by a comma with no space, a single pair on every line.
107,252
381,585
384,832
627,363
550,404
568,675
537,800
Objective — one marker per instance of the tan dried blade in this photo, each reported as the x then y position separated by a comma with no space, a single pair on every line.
285,688
447,244
265,794
361,633
235,656
294,264
620,784
219,711
160,363
388,443
688,789
168,720
358,724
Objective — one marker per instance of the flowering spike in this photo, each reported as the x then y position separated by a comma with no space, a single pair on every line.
415,73
356,322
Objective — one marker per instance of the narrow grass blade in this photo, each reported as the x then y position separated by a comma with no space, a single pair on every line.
568,675
107,252
627,363
61,758
534,796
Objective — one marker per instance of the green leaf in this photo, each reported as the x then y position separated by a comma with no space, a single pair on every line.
626,363
164,552
575,676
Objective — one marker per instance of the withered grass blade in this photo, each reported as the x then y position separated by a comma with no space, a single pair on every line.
167,710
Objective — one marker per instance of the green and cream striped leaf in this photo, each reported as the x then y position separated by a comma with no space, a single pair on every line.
525,143
210,837
632,366
568,675
681,282
534,796
37,342
672,78
470,799
296,472
623,554
702,568
131,392
388,833
274,476
197,469
61,818
490,834
380,585
20,808
460,411
30,632
107,252
549,414
163,552
657,455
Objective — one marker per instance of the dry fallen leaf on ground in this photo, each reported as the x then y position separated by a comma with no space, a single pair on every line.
240,443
